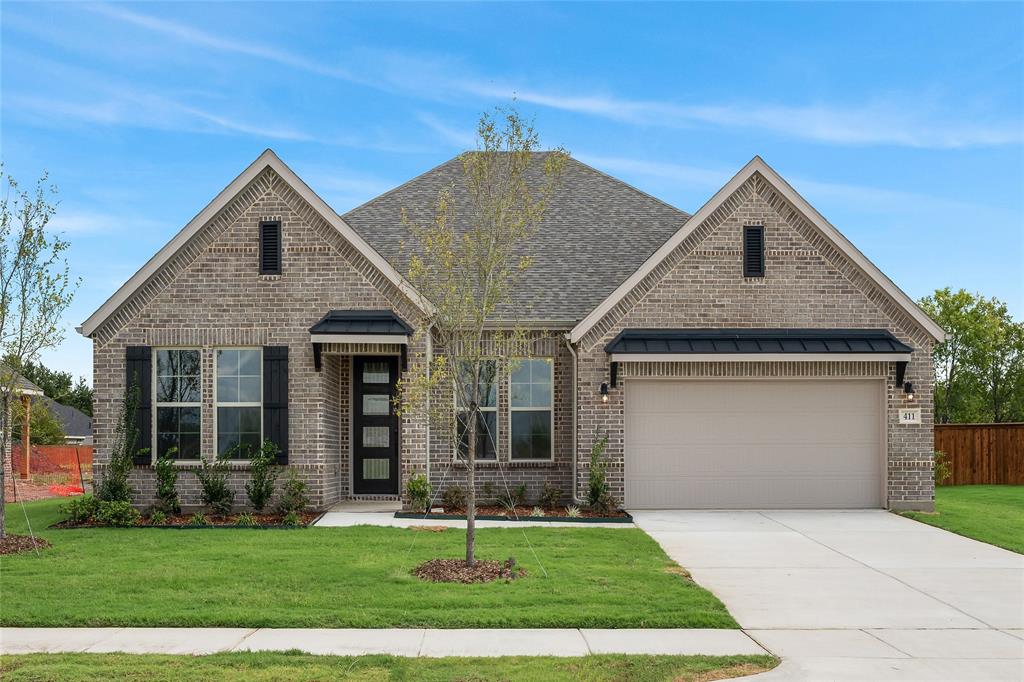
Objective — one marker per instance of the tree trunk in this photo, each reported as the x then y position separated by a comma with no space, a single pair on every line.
471,484
5,445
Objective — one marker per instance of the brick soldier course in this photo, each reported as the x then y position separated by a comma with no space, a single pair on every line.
205,291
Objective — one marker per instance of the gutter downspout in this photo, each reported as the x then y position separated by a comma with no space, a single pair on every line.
575,394
430,361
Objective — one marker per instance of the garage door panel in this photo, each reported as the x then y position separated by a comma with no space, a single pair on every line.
753,444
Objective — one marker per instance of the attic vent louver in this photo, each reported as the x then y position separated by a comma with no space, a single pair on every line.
753,251
270,248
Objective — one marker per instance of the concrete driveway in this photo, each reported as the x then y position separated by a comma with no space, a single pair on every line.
856,595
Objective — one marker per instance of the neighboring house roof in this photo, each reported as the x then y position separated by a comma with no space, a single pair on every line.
22,385
74,422
596,231
268,159
757,165
732,342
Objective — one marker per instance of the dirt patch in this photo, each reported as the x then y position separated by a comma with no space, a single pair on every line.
430,529
17,544
27,491
526,511
456,571
678,570
739,670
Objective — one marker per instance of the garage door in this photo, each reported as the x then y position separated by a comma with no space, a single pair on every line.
753,444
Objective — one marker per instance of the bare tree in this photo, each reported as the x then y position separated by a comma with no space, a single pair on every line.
35,290
465,262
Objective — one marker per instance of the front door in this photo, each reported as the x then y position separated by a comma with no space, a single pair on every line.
375,426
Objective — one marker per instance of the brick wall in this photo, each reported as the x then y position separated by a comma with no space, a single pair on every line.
808,283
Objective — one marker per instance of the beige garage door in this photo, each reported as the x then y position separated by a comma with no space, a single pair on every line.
753,444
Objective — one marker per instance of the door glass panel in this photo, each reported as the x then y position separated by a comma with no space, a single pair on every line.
375,469
376,372
376,436
376,404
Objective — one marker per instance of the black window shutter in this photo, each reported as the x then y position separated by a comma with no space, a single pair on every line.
275,398
753,251
270,248
138,363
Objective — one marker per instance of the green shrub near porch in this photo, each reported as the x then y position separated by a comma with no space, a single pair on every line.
342,577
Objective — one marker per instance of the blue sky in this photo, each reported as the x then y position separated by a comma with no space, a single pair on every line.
903,124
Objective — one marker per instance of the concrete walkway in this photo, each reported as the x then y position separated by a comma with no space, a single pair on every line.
856,595
398,642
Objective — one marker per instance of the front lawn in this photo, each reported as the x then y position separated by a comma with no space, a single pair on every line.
342,577
990,513
294,667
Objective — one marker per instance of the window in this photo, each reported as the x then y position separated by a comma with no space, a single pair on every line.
239,397
177,396
487,419
753,251
531,413
270,248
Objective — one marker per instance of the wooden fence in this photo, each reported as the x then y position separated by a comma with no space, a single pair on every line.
982,453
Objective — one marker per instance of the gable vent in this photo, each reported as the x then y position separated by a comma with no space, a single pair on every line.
270,248
753,251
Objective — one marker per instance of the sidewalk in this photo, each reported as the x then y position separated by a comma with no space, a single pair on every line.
396,641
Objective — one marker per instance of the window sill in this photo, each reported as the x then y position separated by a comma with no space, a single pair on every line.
196,464
510,464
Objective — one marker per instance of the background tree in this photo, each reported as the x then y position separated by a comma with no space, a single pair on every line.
979,368
44,428
57,385
35,290
465,262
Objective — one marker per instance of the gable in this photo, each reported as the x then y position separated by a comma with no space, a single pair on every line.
802,239
267,174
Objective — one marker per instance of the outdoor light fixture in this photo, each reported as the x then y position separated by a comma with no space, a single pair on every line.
604,393
908,388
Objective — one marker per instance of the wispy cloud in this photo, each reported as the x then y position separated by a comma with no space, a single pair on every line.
84,222
457,137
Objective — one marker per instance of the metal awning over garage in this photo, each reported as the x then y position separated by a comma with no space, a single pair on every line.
765,345
359,327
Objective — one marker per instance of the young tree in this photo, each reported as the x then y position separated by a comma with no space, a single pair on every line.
35,290
465,262
44,428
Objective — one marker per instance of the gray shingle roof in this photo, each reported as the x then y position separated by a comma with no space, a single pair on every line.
74,422
597,231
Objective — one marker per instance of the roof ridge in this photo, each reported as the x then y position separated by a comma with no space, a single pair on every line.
398,187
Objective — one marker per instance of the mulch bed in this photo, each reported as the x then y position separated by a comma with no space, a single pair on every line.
524,511
16,544
456,571
185,521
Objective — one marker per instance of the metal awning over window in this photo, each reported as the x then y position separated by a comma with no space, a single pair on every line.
762,345
359,327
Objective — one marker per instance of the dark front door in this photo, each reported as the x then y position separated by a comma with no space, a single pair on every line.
375,426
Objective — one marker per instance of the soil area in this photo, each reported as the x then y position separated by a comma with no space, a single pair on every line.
305,518
16,544
456,571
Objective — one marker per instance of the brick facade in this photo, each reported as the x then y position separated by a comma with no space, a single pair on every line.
808,283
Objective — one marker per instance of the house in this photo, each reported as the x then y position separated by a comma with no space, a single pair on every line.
77,425
744,356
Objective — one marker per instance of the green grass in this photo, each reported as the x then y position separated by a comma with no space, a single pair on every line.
990,513
293,666
342,577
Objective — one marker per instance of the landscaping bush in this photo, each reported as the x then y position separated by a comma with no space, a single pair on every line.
943,468
245,520
197,519
488,496
418,490
118,513
293,494
213,480
290,519
514,497
81,509
598,496
264,471
114,486
453,499
550,496
167,499
157,518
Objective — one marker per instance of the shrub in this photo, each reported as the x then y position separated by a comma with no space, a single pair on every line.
943,469
82,509
293,494
536,511
513,498
264,472
598,496
549,496
290,519
488,493
114,486
213,479
418,491
572,511
118,513
167,499
157,518
245,519
454,499
197,519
